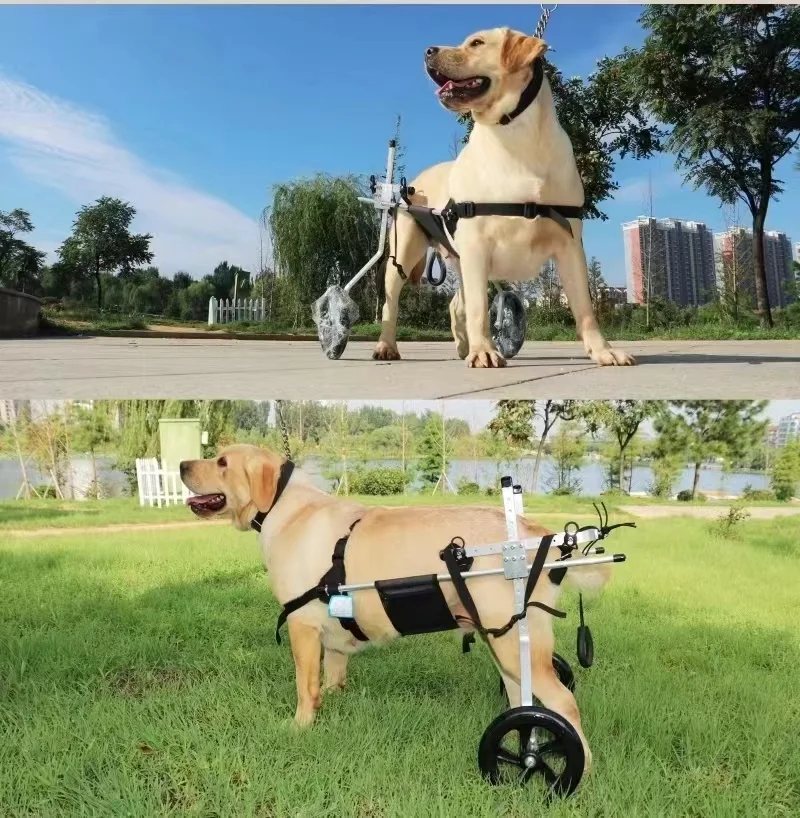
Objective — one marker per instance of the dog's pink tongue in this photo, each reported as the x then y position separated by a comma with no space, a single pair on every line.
446,87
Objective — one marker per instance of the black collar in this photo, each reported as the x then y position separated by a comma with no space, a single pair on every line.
283,480
528,95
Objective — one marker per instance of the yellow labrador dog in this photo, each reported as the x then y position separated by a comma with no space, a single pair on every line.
517,153
298,533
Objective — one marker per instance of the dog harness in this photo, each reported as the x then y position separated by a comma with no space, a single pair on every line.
441,227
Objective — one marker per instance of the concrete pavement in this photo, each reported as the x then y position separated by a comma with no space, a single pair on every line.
102,367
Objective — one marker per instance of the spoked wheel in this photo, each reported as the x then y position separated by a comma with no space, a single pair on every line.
528,741
508,320
562,669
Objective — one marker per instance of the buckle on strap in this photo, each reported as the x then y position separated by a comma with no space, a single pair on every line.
530,210
466,210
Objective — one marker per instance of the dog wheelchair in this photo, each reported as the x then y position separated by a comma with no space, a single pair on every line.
335,312
546,744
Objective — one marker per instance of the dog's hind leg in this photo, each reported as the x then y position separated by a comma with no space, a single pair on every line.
307,651
334,665
572,270
407,245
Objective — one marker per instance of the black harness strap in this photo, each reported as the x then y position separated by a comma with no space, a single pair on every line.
327,587
449,557
453,211
283,480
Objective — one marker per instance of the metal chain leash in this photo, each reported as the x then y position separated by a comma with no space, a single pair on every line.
543,20
282,427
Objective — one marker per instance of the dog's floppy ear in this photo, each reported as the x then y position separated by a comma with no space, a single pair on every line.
263,482
519,51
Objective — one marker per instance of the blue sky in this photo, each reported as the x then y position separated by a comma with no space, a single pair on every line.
192,113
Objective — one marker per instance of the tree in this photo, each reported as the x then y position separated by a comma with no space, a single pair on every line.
434,450
596,282
786,471
604,121
568,451
549,411
621,419
514,422
227,277
21,265
701,430
726,78
92,429
101,242
321,235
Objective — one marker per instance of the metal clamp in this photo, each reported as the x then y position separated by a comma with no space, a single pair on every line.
515,565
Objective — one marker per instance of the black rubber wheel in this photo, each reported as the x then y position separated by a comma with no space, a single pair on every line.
562,669
510,335
505,752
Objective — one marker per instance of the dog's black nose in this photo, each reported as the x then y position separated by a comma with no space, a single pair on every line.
431,50
183,468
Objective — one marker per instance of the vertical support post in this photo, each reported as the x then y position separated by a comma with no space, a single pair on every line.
518,508
525,680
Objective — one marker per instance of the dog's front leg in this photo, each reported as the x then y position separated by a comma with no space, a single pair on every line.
574,275
482,352
307,650
458,317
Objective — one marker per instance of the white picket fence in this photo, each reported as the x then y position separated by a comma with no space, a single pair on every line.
158,487
225,310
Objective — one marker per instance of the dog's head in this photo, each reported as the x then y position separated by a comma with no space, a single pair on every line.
238,482
489,69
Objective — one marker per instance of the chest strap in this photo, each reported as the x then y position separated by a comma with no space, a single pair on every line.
327,587
560,214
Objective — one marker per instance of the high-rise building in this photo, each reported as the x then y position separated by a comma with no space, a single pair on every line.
797,252
788,429
734,252
674,257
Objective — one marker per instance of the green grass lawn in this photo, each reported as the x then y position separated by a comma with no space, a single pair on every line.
139,676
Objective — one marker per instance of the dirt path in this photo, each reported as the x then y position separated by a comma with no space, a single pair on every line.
708,512
104,529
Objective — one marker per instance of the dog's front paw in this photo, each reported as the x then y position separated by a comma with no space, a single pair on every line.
608,356
385,352
485,357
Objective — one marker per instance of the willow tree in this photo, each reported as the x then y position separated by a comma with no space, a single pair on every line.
321,235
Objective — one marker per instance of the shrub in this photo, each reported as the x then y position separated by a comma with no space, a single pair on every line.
685,496
563,491
377,482
750,493
464,486
726,525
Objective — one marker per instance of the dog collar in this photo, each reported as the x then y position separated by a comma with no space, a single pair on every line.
286,472
528,95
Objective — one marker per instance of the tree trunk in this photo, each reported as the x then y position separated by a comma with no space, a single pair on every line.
621,474
95,487
537,462
759,270
696,481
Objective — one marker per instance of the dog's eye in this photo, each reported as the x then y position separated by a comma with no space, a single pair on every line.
476,43
222,462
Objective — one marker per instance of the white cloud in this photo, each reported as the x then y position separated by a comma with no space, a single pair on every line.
637,191
75,152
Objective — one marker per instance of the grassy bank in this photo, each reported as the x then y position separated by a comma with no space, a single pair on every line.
64,323
139,676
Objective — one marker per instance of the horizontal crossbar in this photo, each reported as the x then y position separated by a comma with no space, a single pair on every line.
533,543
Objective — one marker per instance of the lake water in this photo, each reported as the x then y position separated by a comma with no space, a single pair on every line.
592,476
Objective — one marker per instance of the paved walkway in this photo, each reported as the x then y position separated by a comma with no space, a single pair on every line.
91,367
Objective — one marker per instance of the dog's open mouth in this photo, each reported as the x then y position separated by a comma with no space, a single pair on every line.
204,505
452,90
